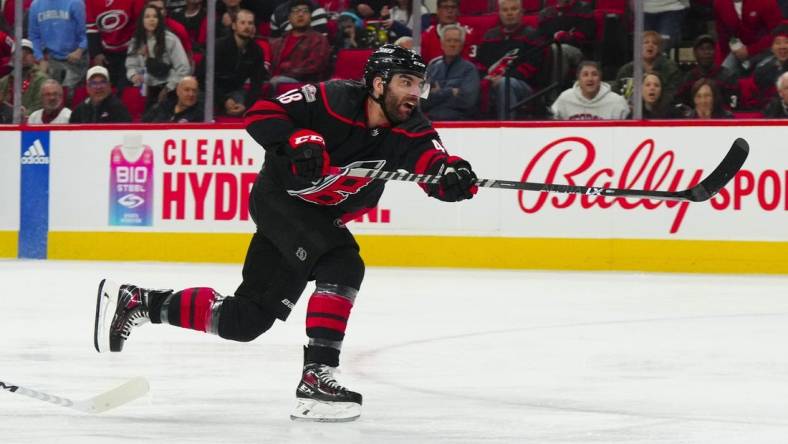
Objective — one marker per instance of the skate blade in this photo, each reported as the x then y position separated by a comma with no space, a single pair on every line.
106,303
325,411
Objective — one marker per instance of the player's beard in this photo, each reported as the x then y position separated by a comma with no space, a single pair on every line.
396,110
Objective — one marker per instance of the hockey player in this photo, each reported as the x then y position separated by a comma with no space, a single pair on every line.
300,213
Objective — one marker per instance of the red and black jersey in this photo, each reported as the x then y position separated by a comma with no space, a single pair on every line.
337,110
520,49
113,22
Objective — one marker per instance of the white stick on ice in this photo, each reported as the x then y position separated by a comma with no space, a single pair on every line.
108,400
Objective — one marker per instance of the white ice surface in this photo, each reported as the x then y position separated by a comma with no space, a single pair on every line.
441,356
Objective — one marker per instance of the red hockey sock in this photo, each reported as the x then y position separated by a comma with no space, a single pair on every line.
327,314
196,308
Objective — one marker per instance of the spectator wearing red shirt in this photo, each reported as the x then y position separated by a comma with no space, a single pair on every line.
448,14
301,54
743,30
110,27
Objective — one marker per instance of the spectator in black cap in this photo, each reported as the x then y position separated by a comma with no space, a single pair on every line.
704,49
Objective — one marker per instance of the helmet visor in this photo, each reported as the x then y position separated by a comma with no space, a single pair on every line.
425,90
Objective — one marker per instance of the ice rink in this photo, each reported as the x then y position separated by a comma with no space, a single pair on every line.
440,356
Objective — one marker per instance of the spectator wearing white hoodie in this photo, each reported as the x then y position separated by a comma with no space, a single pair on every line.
589,98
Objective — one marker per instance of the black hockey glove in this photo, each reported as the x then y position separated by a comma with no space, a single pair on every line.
308,155
457,181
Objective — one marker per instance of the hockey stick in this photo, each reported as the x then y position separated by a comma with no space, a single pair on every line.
108,400
707,188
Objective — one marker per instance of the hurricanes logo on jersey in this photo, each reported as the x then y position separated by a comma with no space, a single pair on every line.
333,190
109,21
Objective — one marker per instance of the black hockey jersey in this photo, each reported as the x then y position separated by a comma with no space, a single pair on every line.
337,110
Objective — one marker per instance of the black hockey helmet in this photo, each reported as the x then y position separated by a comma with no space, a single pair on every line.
392,59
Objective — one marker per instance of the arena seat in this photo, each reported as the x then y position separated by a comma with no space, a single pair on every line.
350,63
484,96
619,6
531,20
134,101
474,7
480,23
264,29
80,93
750,95
748,115
530,6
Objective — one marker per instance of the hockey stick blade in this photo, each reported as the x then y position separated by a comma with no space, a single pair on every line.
705,190
108,400
721,175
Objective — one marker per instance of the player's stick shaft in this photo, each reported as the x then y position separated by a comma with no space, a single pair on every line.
707,188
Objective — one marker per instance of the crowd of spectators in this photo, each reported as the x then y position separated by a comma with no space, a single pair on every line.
94,61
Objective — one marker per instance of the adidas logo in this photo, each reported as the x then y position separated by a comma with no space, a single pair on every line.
35,155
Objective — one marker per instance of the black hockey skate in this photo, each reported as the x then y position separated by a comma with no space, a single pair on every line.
118,310
321,398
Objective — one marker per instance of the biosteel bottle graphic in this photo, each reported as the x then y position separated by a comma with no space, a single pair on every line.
131,183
